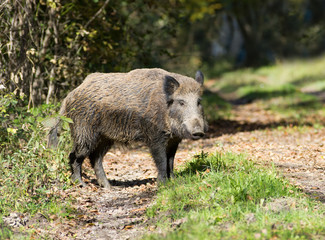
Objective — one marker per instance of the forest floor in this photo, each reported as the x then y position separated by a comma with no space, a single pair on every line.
298,152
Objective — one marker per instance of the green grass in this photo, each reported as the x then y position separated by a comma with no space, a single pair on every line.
29,180
287,88
225,196
5,232
253,92
296,72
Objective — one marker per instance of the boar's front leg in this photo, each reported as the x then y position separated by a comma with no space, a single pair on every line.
158,152
171,151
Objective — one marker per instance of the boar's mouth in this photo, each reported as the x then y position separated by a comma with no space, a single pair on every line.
197,135
194,135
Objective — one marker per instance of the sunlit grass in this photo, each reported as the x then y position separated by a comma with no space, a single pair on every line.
225,196
290,88
296,72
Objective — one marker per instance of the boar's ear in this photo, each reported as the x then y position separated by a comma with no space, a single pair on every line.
199,77
170,85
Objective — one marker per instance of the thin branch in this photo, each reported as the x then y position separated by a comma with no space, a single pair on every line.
97,13
1,6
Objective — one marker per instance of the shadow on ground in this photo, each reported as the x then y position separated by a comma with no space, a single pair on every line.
129,183
224,126
132,183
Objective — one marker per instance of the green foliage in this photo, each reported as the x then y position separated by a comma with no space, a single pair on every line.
31,174
197,10
227,196
66,40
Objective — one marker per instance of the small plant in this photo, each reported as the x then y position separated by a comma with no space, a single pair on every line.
5,232
202,163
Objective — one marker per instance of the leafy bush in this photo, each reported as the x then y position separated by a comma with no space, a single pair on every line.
30,172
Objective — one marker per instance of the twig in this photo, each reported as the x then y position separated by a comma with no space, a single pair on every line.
97,13
3,4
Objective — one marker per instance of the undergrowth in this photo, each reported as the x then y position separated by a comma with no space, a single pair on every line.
225,196
31,173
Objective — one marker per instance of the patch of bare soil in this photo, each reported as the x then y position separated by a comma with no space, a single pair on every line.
118,213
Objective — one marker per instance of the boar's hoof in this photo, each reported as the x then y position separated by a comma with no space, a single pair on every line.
162,178
80,183
77,181
104,184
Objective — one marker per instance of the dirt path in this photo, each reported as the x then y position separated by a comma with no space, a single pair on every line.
297,152
118,213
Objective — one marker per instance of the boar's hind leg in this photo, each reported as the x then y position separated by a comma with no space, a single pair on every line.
171,151
75,164
96,159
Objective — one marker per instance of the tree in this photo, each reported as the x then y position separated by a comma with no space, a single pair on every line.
49,46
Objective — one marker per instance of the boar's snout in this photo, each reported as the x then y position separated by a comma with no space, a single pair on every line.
198,132
195,129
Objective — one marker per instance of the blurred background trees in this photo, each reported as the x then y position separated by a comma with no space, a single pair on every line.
49,46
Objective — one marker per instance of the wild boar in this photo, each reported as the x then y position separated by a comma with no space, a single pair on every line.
152,106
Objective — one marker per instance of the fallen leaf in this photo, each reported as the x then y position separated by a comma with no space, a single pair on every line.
90,224
128,227
152,228
257,235
72,223
249,197
139,209
53,217
264,231
95,211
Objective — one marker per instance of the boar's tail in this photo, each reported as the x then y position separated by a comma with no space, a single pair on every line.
52,137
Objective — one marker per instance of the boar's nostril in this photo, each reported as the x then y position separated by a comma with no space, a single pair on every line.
197,135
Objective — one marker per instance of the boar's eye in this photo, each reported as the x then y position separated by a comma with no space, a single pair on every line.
170,102
181,102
